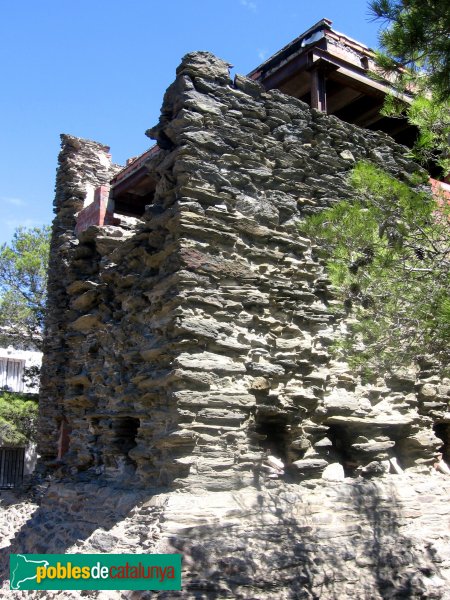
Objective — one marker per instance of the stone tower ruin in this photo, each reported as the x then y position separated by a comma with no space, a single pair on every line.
190,335
189,328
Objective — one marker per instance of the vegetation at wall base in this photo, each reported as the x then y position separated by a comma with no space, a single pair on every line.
387,253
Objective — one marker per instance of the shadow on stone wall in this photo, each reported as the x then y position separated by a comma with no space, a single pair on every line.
397,567
68,516
334,541
285,551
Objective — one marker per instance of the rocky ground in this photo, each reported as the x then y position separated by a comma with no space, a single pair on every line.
357,538
18,507
15,510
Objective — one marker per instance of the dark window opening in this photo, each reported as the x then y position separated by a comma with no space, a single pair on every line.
274,436
125,431
442,431
132,205
133,194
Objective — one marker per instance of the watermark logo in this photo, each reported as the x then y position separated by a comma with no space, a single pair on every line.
95,571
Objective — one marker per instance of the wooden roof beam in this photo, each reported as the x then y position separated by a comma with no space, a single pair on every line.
352,73
369,117
341,98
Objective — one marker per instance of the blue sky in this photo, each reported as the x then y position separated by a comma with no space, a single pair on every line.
99,68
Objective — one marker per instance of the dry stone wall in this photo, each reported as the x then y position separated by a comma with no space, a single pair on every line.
83,166
195,340
189,349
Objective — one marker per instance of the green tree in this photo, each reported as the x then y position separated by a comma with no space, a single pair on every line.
23,283
415,43
387,253
18,418
416,36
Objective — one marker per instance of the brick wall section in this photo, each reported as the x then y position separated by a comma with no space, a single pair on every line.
97,212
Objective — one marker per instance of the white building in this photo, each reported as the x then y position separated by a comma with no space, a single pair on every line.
12,367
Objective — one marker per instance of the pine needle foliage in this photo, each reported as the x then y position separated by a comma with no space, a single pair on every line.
23,286
416,36
18,418
415,57
387,253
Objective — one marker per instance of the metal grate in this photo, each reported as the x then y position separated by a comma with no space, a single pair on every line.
11,467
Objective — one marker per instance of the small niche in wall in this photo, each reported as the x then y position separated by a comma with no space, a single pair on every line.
442,431
273,434
364,62
340,444
125,431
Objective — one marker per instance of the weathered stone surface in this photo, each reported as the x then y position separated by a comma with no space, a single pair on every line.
209,362
187,347
333,472
374,538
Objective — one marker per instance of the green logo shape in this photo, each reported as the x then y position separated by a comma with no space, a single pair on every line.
95,571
